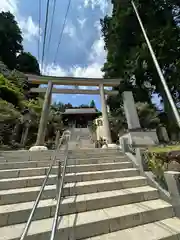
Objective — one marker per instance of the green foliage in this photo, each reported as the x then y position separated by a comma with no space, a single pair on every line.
27,63
34,105
4,70
8,112
160,158
158,166
19,79
58,107
9,116
10,92
10,39
148,115
15,96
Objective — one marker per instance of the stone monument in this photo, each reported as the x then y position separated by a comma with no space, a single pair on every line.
136,136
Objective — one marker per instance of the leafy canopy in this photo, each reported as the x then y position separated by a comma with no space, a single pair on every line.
10,39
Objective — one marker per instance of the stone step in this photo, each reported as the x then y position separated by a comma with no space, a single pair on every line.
30,181
18,165
98,175
78,188
91,223
70,177
47,155
12,196
167,229
98,160
91,155
23,182
37,180
79,165
96,150
32,164
23,172
98,167
18,213
25,158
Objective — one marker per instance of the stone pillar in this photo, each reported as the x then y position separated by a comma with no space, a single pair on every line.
106,127
124,145
163,135
15,135
173,182
44,116
25,134
130,111
57,138
141,161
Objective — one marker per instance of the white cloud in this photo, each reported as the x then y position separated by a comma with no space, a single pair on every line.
9,5
96,59
70,30
102,4
55,70
93,70
98,53
28,27
82,22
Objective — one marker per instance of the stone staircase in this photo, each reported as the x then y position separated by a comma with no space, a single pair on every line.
84,140
104,198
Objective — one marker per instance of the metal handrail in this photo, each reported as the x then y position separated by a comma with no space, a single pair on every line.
25,231
61,183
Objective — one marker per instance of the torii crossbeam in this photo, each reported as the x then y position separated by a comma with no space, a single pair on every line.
71,81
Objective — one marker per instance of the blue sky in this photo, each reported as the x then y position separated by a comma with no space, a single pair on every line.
81,53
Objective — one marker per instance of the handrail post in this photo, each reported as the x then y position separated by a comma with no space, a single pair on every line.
58,179
60,190
26,228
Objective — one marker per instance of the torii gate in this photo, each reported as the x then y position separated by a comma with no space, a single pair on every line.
130,109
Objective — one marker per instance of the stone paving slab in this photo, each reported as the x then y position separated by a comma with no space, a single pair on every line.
18,213
88,224
168,229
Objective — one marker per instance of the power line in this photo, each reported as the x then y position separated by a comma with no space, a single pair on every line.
39,30
61,34
51,27
45,32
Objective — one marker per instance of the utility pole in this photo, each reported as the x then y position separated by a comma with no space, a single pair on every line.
159,71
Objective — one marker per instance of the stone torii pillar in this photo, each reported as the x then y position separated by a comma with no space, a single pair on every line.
44,116
106,127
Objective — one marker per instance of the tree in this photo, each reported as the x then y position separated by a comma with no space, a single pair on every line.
68,105
148,115
83,106
10,92
10,39
92,104
27,63
58,107
9,116
128,55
